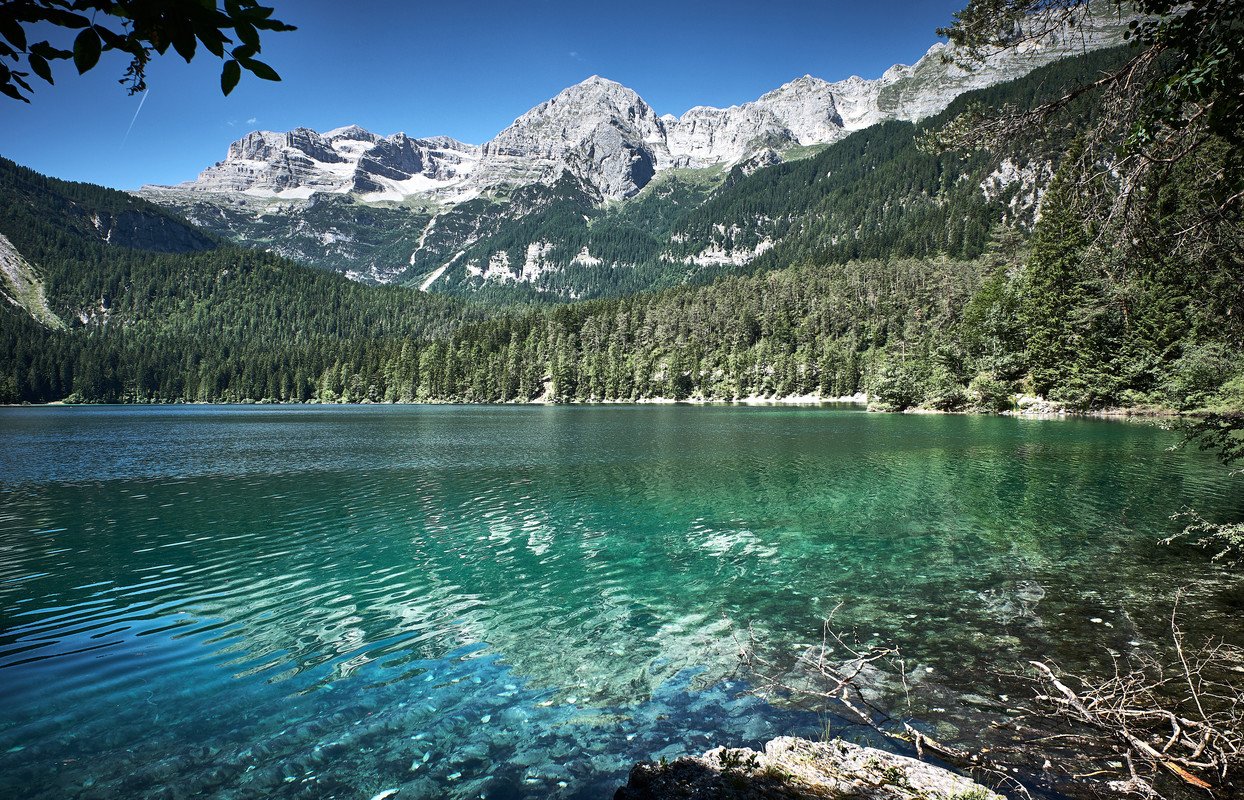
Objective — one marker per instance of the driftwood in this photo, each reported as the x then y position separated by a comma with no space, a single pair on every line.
1184,720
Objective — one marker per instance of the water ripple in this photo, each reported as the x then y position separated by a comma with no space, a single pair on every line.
245,605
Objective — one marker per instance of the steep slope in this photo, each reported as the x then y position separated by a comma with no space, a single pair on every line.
92,213
369,242
603,132
22,286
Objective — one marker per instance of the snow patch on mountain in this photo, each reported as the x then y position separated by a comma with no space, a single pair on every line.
297,164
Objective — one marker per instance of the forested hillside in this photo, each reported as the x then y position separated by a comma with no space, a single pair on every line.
900,269
214,322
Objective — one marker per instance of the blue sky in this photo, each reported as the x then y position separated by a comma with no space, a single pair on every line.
460,69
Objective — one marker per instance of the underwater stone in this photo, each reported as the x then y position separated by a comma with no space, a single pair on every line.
792,769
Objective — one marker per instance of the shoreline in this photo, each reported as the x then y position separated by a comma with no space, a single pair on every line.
1034,410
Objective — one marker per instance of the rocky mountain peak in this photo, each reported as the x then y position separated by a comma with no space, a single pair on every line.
609,139
596,97
350,159
352,133
807,108
596,80
600,131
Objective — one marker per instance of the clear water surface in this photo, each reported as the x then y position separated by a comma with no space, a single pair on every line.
519,602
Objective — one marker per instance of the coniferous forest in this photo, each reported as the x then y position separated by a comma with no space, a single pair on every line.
896,276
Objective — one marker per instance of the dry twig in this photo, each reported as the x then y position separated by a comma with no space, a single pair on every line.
1184,718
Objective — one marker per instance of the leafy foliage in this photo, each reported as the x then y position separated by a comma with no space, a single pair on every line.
137,28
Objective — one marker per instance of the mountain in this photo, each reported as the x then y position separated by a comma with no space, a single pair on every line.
397,209
299,163
21,286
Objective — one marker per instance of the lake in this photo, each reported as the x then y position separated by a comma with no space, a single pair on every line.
521,601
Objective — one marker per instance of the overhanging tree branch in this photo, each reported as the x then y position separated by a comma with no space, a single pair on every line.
137,28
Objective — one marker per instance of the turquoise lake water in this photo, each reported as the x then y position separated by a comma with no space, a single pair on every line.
450,601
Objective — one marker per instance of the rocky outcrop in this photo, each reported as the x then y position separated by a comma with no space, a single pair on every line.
146,230
267,145
21,286
705,136
928,87
603,133
301,162
797,769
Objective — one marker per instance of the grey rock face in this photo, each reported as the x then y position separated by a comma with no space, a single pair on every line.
600,131
758,161
265,145
607,137
797,769
396,158
705,136
350,159
22,286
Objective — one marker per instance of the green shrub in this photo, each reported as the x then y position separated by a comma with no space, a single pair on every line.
987,393
897,388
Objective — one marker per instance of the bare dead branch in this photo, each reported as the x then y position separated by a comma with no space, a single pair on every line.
1185,719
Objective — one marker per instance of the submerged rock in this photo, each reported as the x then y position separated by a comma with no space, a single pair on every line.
795,769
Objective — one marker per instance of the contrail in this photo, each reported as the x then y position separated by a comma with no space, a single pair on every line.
135,119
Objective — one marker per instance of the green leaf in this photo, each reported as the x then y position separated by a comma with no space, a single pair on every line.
86,49
247,33
41,67
261,70
66,19
49,52
229,76
184,44
11,91
213,41
112,40
243,52
13,32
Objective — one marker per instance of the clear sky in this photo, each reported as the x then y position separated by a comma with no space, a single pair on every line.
460,69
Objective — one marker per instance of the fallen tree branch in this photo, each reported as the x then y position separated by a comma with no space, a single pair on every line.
1185,718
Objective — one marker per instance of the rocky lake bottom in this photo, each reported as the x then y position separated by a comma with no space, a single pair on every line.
522,601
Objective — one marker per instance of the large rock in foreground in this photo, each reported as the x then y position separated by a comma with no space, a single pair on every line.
794,769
